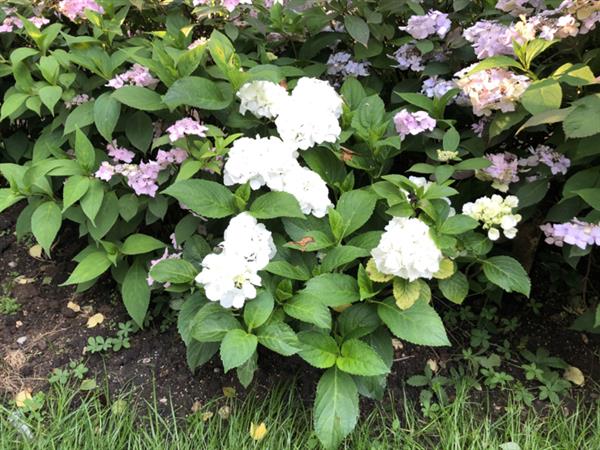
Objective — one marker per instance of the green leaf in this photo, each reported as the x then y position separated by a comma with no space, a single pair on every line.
237,347
136,293
546,117
45,223
507,273
84,151
357,28
358,358
74,188
308,309
138,97
138,244
258,310
591,196
355,208
80,117
198,92
245,372
50,95
173,271
542,96
336,407
332,289
278,337
583,121
199,353
455,288
206,198
106,115
406,293
357,321
494,62
106,218
89,268
420,100
342,255
451,139
140,130
318,349
92,200
458,224
419,324
276,204
288,270
212,322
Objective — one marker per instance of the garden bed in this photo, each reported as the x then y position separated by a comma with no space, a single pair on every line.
45,334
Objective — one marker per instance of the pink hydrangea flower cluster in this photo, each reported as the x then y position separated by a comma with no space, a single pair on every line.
186,127
341,63
576,232
12,22
75,9
77,100
142,178
479,126
119,154
490,38
503,171
557,162
492,89
407,57
408,123
138,75
434,22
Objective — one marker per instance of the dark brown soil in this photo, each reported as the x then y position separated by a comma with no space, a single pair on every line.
56,335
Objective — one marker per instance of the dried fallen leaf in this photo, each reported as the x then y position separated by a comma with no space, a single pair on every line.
224,412
22,397
397,344
87,309
95,320
24,280
36,251
574,375
207,416
197,406
258,432
229,392
433,365
73,306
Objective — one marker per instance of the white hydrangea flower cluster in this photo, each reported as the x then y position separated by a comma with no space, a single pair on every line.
262,98
272,162
305,118
231,277
406,250
495,213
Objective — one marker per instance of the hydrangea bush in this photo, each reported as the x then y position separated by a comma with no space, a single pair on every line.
308,177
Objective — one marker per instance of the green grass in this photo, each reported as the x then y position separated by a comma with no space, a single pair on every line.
68,422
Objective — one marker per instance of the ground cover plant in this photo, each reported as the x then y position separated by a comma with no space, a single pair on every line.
314,178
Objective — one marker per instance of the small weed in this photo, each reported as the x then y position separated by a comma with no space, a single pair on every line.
9,305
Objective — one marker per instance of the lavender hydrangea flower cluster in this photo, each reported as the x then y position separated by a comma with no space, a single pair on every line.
408,57
75,9
543,154
503,171
142,178
186,127
138,75
12,22
434,22
342,64
576,232
408,123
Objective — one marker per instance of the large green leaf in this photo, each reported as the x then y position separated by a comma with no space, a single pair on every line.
139,98
357,28
74,189
139,243
198,92
136,293
356,208
207,198
318,349
543,95
507,273
276,204
342,255
336,407
236,348
258,310
278,337
308,309
212,322
419,324
84,151
332,289
50,95
358,358
173,271
106,115
45,223
92,266
455,288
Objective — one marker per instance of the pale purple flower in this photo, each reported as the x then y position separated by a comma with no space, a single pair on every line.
185,127
173,156
77,100
408,123
408,57
489,38
75,9
38,22
10,23
119,154
434,22
479,126
435,87
557,162
341,63
138,75
576,232
503,171
105,172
